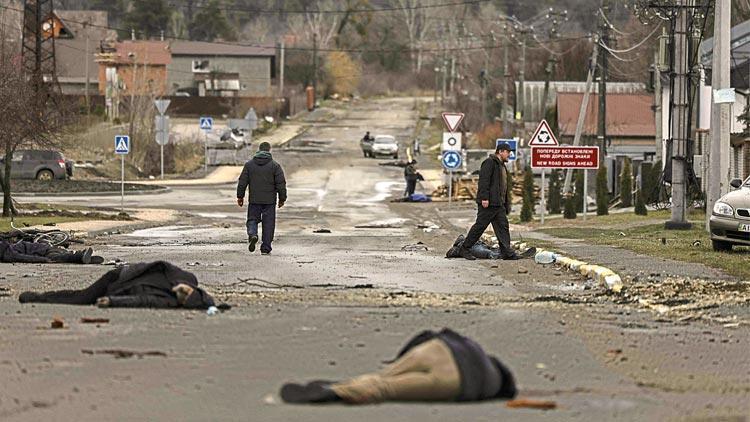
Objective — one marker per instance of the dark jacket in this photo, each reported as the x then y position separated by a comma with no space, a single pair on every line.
27,252
482,376
495,184
265,178
411,174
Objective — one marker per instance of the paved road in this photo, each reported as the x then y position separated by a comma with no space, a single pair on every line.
310,312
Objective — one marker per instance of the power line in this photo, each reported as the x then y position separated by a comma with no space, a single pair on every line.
611,50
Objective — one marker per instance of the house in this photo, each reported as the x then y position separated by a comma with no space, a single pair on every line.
217,69
134,67
78,34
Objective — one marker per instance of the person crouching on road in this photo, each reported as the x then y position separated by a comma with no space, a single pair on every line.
493,204
411,176
265,179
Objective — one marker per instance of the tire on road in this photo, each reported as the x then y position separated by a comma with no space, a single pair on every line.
45,175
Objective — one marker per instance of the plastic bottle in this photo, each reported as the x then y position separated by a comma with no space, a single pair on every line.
545,257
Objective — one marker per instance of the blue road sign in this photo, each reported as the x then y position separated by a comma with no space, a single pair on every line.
513,145
122,144
452,160
207,123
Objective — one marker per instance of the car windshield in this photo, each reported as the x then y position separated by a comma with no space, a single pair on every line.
384,140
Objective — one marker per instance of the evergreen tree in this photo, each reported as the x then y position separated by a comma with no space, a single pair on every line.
602,193
554,201
570,207
626,184
527,210
579,195
147,17
210,24
640,206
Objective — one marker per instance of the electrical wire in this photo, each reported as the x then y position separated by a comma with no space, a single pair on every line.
627,50
333,11
612,27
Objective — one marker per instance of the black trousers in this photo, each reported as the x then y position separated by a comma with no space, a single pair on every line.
411,185
499,220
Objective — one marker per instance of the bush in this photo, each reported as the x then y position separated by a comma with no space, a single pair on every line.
602,193
579,196
626,184
650,182
554,201
640,206
527,210
570,207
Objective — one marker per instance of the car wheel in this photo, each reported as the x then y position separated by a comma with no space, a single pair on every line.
721,246
45,175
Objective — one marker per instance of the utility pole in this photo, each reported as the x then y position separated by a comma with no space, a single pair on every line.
604,37
315,65
657,106
718,169
548,70
281,70
521,75
506,121
680,128
87,59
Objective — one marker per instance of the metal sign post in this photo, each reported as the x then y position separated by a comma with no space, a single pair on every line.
544,202
122,148
162,129
206,124
585,194
451,160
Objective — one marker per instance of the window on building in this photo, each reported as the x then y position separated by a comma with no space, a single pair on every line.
200,66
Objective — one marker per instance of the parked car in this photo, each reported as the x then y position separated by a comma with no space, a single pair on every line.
40,165
384,145
730,220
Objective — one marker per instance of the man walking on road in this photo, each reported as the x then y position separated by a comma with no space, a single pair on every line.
265,178
493,204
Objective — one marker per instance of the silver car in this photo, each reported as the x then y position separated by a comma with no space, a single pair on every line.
384,145
730,220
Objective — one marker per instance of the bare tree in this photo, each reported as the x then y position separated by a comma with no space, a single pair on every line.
32,118
417,22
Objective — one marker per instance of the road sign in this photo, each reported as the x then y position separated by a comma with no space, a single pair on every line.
451,141
122,144
543,136
207,123
565,157
252,118
452,120
452,160
513,146
161,124
162,105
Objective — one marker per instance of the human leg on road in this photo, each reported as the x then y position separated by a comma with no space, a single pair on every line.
87,296
484,217
427,372
502,232
253,218
268,222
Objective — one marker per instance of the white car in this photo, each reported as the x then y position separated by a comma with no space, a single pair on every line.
385,145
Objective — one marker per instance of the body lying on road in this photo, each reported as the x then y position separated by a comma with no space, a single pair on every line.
32,252
481,250
144,285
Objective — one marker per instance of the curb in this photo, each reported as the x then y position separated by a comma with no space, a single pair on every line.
603,275
165,189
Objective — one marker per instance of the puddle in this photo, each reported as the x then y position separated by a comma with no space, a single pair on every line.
384,191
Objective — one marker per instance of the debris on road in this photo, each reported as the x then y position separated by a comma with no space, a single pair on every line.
395,223
57,322
87,320
531,404
123,354
428,226
522,270
415,247
322,231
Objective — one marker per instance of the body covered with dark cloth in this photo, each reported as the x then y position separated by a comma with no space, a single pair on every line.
41,253
144,285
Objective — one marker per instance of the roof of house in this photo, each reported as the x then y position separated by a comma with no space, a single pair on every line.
80,22
152,53
202,48
71,58
627,114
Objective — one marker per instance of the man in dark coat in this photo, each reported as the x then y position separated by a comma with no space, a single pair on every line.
493,204
145,285
266,181
31,252
444,366
411,176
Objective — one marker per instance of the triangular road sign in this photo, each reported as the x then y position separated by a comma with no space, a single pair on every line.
543,136
452,120
162,105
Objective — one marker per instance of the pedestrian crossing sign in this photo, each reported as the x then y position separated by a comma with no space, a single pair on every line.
512,143
206,123
122,144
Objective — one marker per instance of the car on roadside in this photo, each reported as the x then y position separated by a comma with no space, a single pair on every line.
384,145
730,218
39,164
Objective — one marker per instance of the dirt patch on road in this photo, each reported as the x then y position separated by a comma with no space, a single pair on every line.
75,186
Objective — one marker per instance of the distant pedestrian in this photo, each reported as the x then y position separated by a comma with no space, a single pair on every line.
416,148
265,179
493,204
411,176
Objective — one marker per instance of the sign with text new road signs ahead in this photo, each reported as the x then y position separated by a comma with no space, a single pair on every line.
543,136
452,160
451,141
452,120
122,144
565,157
207,123
512,143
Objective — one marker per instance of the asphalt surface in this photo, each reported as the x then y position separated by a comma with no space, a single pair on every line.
334,305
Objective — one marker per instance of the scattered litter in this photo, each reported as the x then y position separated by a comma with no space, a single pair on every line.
531,404
364,277
196,263
622,234
545,257
697,243
522,270
419,246
541,366
470,302
57,322
269,399
87,320
428,226
212,310
393,223
322,231
123,354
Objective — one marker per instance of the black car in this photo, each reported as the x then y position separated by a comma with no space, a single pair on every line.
40,165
